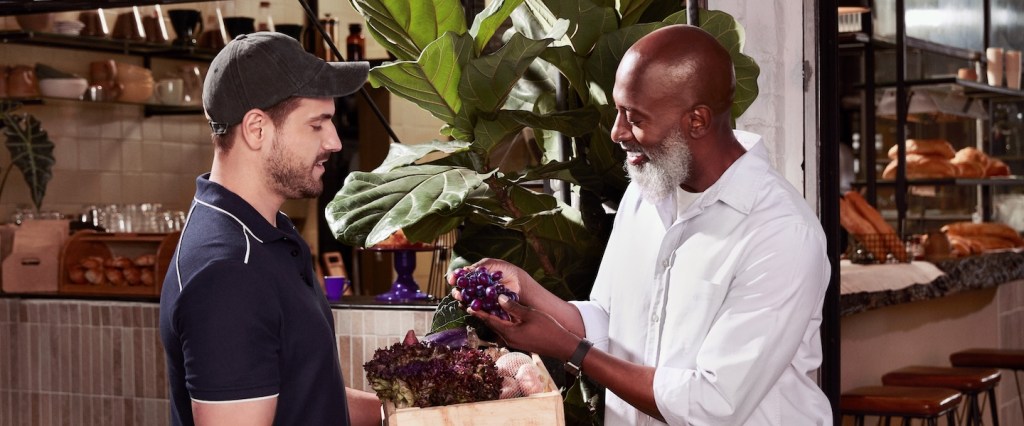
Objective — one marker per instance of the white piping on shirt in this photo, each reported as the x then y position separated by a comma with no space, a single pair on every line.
237,400
246,232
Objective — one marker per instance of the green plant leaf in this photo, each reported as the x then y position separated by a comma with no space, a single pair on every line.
571,123
405,28
403,155
448,315
587,20
488,80
432,82
731,35
372,206
571,66
31,151
631,10
608,52
488,21
535,90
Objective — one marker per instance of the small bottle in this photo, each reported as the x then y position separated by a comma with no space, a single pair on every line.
266,22
356,43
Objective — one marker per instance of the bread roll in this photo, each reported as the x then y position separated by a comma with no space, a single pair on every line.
95,275
148,277
936,147
968,169
146,260
115,276
997,167
77,275
971,154
922,167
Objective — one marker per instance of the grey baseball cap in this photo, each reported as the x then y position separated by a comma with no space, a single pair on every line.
261,69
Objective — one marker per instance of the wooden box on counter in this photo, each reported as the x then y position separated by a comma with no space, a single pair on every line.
539,409
116,264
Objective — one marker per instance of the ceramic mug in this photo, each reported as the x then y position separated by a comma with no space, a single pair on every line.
170,91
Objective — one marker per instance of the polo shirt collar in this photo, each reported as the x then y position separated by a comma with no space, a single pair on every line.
215,194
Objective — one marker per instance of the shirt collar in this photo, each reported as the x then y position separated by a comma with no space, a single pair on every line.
213,193
738,185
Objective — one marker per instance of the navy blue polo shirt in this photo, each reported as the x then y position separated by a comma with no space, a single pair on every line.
243,317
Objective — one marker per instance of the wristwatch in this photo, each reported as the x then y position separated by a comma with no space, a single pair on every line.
575,362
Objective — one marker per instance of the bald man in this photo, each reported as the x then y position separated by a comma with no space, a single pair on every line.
707,305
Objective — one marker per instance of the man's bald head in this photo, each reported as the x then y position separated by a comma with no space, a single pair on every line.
685,64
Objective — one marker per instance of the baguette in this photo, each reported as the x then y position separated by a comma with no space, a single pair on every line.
922,167
878,224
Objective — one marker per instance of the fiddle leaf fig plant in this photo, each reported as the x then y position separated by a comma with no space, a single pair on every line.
510,128
31,150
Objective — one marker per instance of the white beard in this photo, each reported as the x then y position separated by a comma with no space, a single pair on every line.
668,166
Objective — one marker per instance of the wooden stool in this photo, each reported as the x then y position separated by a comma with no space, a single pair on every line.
972,382
1006,359
900,401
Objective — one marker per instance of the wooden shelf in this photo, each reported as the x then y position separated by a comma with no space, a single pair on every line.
21,7
101,44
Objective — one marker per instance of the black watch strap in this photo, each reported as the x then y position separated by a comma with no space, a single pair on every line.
575,362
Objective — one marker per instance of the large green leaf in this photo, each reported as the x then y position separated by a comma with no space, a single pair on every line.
31,151
488,21
571,66
372,206
406,27
403,154
487,80
607,54
432,82
535,90
731,35
631,10
587,21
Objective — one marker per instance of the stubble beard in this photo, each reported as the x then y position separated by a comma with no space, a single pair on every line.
668,166
288,175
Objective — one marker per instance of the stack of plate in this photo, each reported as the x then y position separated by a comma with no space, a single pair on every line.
68,27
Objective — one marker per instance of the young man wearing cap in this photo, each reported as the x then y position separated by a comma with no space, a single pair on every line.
248,334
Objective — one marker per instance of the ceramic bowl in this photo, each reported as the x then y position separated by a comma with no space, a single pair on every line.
41,22
69,88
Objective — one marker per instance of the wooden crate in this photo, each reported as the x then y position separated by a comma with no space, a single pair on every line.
541,409
106,246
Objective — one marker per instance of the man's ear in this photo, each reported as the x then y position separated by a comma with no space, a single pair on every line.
700,121
255,128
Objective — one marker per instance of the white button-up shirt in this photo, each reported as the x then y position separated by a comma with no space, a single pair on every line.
723,298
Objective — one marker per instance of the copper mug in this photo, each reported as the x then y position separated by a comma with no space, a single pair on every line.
22,82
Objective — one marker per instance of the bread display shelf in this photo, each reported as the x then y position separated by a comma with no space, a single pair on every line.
116,264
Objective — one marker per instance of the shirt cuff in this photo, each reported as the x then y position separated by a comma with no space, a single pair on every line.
595,323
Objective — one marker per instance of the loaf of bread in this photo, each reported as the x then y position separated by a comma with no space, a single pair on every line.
851,220
988,229
922,167
937,147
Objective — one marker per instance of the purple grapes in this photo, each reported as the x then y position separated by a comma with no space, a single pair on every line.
480,290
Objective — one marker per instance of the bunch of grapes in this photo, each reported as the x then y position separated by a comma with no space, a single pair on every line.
480,290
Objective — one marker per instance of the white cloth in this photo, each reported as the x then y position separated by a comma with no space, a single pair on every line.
724,301
855,278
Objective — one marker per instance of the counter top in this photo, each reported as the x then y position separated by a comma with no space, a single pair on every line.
964,274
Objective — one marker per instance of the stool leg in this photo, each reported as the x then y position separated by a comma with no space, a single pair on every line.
973,413
1020,396
993,406
951,418
858,420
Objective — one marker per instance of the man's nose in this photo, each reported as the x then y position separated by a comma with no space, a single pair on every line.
621,130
